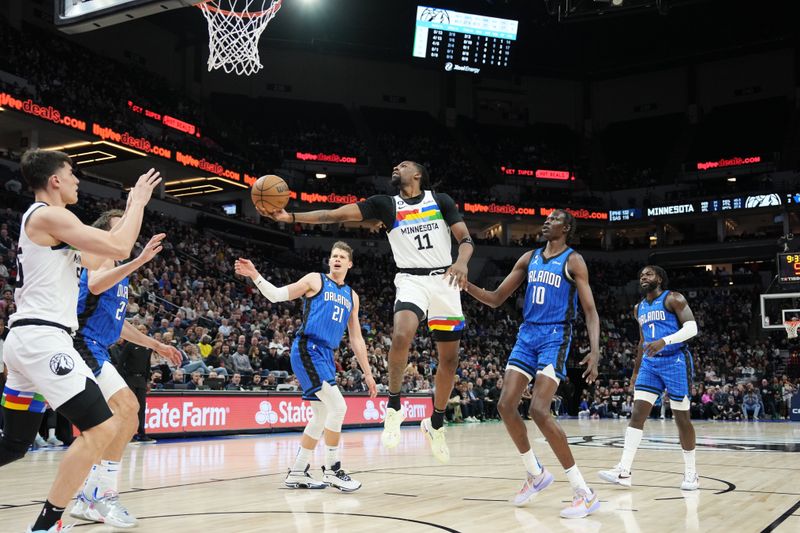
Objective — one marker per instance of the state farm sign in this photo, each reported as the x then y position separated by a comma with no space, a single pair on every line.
245,412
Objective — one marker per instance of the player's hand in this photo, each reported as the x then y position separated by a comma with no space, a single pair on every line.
141,192
152,248
278,215
373,389
591,360
245,267
170,353
457,274
654,347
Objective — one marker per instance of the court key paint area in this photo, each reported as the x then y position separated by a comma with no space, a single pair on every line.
235,484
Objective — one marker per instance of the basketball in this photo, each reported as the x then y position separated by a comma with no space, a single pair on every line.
270,193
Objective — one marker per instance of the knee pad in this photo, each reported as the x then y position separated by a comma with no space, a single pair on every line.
316,425
12,449
19,431
337,407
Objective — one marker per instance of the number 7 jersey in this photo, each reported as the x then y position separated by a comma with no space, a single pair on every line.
326,313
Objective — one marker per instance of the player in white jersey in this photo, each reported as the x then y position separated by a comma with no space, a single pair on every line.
42,362
419,223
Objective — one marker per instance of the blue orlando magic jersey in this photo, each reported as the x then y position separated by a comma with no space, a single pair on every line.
100,317
657,322
325,314
551,297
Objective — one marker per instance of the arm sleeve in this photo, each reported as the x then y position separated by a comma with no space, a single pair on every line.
449,208
378,207
686,332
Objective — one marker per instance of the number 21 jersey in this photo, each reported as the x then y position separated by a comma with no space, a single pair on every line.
326,313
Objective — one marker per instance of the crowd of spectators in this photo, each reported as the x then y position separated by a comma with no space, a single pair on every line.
232,338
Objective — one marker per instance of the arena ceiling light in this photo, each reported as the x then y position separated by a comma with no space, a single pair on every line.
320,175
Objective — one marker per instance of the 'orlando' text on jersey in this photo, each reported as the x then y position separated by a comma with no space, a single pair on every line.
326,313
551,296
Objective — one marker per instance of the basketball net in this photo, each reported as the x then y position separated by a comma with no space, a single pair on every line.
233,35
791,328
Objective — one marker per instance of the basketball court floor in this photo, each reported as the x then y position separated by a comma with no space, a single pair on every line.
749,483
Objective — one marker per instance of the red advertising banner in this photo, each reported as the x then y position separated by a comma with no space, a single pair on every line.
729,162
197,413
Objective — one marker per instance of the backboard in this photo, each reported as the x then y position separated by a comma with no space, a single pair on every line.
78,16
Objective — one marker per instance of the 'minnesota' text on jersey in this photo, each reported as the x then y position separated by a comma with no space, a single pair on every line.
326,313
419,236
551,296
101,316
657,322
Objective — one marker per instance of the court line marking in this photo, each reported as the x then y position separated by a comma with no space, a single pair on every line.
225,513
782,518
398,494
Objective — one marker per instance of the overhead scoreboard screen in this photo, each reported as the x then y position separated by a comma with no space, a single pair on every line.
463,42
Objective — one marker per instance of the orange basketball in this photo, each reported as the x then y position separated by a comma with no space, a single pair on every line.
270,193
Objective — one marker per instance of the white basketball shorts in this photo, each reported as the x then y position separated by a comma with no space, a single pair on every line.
433,297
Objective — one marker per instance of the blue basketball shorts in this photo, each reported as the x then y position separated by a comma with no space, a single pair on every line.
672,372
313,365
541,345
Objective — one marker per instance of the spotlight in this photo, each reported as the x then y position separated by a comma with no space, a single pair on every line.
321,175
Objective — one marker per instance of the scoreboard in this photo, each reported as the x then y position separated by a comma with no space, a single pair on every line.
789,267
463,42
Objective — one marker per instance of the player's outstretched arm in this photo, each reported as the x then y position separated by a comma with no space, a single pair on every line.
345,213
512,282
108,275
131,334
576,266
676,303
308,285
359,347
61,224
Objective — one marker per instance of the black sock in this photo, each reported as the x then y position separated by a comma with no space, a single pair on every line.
437,419
48,517
394,401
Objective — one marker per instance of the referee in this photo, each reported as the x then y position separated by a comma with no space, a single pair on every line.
134,365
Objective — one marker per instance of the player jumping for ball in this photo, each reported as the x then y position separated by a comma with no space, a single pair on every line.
556,277
419,223
663,362
329,305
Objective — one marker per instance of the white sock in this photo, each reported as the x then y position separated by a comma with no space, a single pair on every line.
108,476
633,437
331,456
532,464
688,459
576,479
51,433
90,483
302,460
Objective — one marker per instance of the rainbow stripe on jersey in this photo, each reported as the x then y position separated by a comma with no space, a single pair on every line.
414,216
446,323
23,401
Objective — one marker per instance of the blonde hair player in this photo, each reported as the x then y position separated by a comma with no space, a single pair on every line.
39,353
329,306
419,223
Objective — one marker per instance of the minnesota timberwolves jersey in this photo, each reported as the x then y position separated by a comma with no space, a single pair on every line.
551,296
420,237
47,279
101,316
657,322
326,313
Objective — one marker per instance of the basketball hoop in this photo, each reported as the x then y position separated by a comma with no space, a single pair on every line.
233,34
791,328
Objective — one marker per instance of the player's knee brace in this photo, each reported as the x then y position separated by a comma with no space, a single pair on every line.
316,425
19,431
337,407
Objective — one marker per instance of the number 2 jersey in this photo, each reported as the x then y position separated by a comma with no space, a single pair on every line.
101,316
418,228
326,313
551,296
